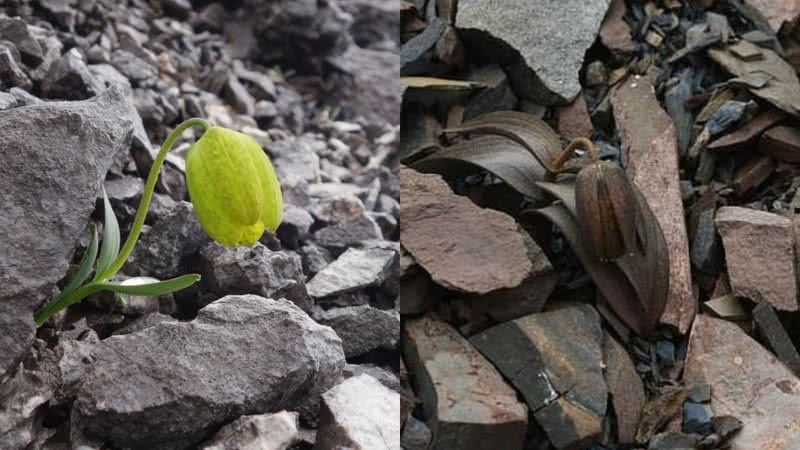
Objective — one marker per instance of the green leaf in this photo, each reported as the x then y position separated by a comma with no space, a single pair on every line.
85,267
110,248
159,288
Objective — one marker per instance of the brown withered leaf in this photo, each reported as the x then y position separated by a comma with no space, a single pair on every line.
503,157
526,129
419,132
782,87
646,272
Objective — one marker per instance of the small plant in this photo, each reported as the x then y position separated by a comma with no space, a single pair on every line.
236,196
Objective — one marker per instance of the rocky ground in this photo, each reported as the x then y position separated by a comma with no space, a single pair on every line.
516,333
289,344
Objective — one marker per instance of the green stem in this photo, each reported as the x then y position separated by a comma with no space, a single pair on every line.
41,316
147,196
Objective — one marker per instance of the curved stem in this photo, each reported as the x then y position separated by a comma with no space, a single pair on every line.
576,144
147,196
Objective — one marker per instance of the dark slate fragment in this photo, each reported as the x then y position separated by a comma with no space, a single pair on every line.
700,393
696,418
770,328
706,251
674,102
726,426
16,30
412,53
11,74
70,78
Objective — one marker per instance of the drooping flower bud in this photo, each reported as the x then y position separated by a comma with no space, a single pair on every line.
606,210
233,187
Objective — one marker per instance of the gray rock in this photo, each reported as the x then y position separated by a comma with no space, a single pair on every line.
671,440
16,31
551,38
355,269
236,94
413,60
334,209
349,234
362,328
20,398
177,8
416,435
11,74
561,374
301,161
315,258
387,378
7,101
138,71
294,227
164,251
359,414
70,78
260,432
146,321
255,270
108,75
262,84
179,381
52,175
373,22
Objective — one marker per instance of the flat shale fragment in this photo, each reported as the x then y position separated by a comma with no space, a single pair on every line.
555,360
625,387
551,37
772,330
759,251
651,160
749,383
466,401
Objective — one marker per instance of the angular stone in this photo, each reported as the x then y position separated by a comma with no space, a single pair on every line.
362,328
21,395
11,74
771,329
413,60
777,11
474,234
348,234
138,71
651,156
759,251
534,28
749,132
416,435
374,90
259,432
387,378
625,387
496,95
255,270
466,400
749,384
781,143
294,227
181,380
40,139
165,250
574,120
615,33
359,414
555,360
16,31
355,269
70,78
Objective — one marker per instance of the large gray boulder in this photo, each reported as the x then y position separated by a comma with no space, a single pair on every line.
55,156
172,385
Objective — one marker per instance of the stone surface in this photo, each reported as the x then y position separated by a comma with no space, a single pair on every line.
11,74
574,120
771,329
355,269
241,355
535,28
70,78
749,384
777,11
386,377
555,360
53,175
373,90
21,395
615,33
255,270
466,400
362,328
759,251
258,432
625,387
651,160
359,414
16,31
166,250
474,234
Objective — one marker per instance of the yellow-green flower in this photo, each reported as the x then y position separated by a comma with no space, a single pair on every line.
233,187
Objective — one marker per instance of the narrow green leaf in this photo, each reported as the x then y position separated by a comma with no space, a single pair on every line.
85,267
110,248
159,288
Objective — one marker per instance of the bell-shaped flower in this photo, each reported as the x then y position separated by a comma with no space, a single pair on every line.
233,187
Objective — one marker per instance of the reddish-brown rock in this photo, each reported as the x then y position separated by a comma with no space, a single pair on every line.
574,120
748,382
759,251
651,160
615,33
625,387
466,400
462,246
782,143
777,11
